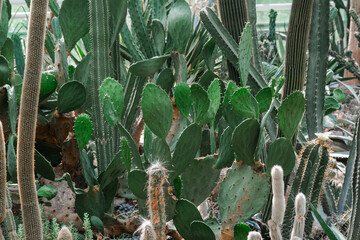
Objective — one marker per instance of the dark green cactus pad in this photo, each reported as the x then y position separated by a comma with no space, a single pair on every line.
148,67
186,149
241,195
97,223
137,183
114,90
186,213
112,171
165,80
226,152
241,231
180,24
83,130
214,95
200,171
126,153
43,166
281,153
245,139
71,96
74,21
264,98
8,52
157,110
47,191
201,103
206,79
183,98
290,114
109,111
87,169
178,186
245,53
92,202
158,36
4,71
244,104
230,116
214,225
201,231
209,54
48,84
118,12
160,152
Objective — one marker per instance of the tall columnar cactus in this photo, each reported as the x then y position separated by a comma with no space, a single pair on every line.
147,231
254,236
10,225
309,180
278,203
156,199
28,118
2,175
296,46
299,221
65,234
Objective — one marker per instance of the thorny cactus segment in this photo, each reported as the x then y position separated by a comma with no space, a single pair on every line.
278,203
156,198
299,221
64,234
2,175
147,231
254,236
9,223
28,118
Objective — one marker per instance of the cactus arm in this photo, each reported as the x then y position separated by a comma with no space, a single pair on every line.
10,225
296,46
2,175
317,67
299,221
132,48
28,118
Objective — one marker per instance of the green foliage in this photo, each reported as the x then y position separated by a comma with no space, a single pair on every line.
114,91
245,54
241,231
148,67
71,96
281,153
83,130
183,98
201,231
244,104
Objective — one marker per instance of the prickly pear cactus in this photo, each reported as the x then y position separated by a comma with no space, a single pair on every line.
242,194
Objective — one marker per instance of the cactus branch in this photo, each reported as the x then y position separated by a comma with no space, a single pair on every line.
299,221
2,175
28,118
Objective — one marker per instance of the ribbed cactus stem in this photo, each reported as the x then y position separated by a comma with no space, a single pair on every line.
65,234
10,225
254,236
299,221
27,120
2,175
156,199
147,231
278,203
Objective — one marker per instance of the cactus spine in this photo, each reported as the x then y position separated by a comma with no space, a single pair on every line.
28,118
254,236
278,203
299,221
64,234
2,175
156,199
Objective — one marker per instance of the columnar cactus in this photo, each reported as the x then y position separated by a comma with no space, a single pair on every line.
28,118
147,231
9,223
299,221
2,175
254,236
278,203
156,199
64,234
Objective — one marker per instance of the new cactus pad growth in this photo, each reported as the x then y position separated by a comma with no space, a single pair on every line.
156,199
278,203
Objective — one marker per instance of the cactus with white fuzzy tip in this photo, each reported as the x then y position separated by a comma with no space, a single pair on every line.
2,175
64,234
156,198
254,236
299,221
147,231
278,203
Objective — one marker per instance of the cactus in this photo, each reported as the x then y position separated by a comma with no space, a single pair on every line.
254,236
278,203
299,221
309,180
28,118
147,231
2,175
64,234
156,200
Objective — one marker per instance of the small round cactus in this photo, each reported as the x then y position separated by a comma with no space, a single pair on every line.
254,236
147,231
64,234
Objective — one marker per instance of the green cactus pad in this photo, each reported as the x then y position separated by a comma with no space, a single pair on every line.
201,231
186,149
214,95
281,153
179,24
186,213
244,104
137,183
114,90
109,111
241,195
245,53
160,152
290,114
112,171
241,231
158,36
264,98
157,110
226,152
83,130
245,139
48,84
148,67
200,171
126,153
166,80
4,71
201,103
183,98
72,96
